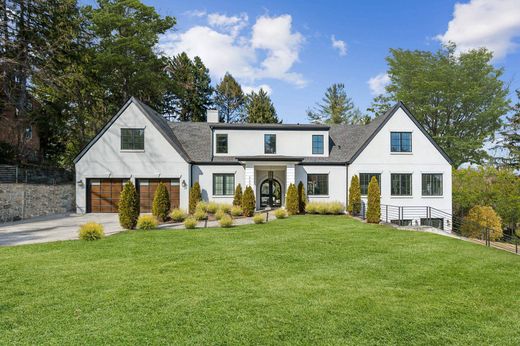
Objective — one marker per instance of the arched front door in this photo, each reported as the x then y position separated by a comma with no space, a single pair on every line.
270,194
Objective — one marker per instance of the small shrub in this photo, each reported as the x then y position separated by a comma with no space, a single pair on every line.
212,207
374,202
354,196
478,219
219,214
248,202
146,222
190,223
302,199
311,208
280,213
236,211
259,218
226,221
91,231
291,200
324,208
161,203
128,206
225,207
237,199
201,206
200,215
195,197
336,208
178,215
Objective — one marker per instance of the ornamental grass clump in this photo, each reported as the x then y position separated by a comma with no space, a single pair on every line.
258,219
178,215
91,231
374,202
190,223
226,208
325,208
354,196
161,203
479,220
291,200
219,214
226,221
201,206
128,207
212,207
236,211
200,215
146,222
280,213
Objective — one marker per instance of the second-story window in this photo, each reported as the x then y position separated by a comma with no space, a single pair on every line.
222,144
401,142
270,144
317,144
132,139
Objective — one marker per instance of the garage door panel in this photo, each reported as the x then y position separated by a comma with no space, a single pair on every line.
147,188
103,195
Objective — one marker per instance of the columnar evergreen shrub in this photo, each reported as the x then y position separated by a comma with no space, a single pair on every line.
91,231
302,198
128,206
248,202
291,200
161,203
146,222
479,219
195,196
237,200
374,202
354,196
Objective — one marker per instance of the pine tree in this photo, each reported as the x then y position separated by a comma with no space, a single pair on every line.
336,108
128,206
374,202
291,200
354,196
229,99
248,201
195,197
511,137
237,199
260,109
302,198
161,203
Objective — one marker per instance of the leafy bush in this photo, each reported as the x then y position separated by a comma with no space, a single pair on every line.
146,222
226,221
374,202
280,213
291,200
128,206
323,208
161,202
178,215
311,208
195,197
226,208
236,211
336,208
354,196
478,219
212,207
237,200
219,214
91,231
201,206
248,202
200,215
259,218
302,199
190,223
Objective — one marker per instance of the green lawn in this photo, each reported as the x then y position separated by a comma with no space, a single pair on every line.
303,280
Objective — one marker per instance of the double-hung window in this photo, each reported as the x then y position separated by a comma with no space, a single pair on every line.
222,143
401,142
401,184
132,139
431,184
317,184
317,144
364,180
269,144
223,184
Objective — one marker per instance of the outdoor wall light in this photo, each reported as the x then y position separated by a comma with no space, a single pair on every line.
80,183
184,183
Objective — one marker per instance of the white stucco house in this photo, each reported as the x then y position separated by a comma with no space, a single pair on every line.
141,145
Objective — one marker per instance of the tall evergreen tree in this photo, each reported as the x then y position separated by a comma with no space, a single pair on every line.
336,108
229,99
260,109
511,137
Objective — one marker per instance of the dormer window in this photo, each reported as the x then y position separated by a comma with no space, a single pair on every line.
132,139
401,142
222,144
269,144
317,144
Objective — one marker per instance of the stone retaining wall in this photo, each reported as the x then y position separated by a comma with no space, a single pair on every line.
23,201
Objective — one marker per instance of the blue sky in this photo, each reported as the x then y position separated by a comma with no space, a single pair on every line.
297,49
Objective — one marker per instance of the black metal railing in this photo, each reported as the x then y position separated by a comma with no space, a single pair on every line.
35,175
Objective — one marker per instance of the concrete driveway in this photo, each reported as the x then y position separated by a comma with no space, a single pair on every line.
53,228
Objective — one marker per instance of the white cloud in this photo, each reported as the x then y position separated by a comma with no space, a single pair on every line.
195,13
493,24
340,45
378,83
269,52
248,88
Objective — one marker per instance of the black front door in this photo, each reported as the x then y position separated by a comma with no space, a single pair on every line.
270,194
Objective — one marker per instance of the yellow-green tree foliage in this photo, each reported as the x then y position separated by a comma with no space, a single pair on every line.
248,201
479,219
195,197
354,196
302,198
291,200
374,202
161,203
237,200
128,206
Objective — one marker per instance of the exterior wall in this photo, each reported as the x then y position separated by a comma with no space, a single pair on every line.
204,175
105,159
24,201
288,143
425,158
337,181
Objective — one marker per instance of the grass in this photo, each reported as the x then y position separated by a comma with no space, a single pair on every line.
302,280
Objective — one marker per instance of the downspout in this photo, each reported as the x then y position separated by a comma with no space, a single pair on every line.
346,192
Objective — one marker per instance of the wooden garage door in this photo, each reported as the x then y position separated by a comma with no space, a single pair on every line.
146,189
103,195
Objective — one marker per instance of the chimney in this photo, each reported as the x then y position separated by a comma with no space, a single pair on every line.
212,116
